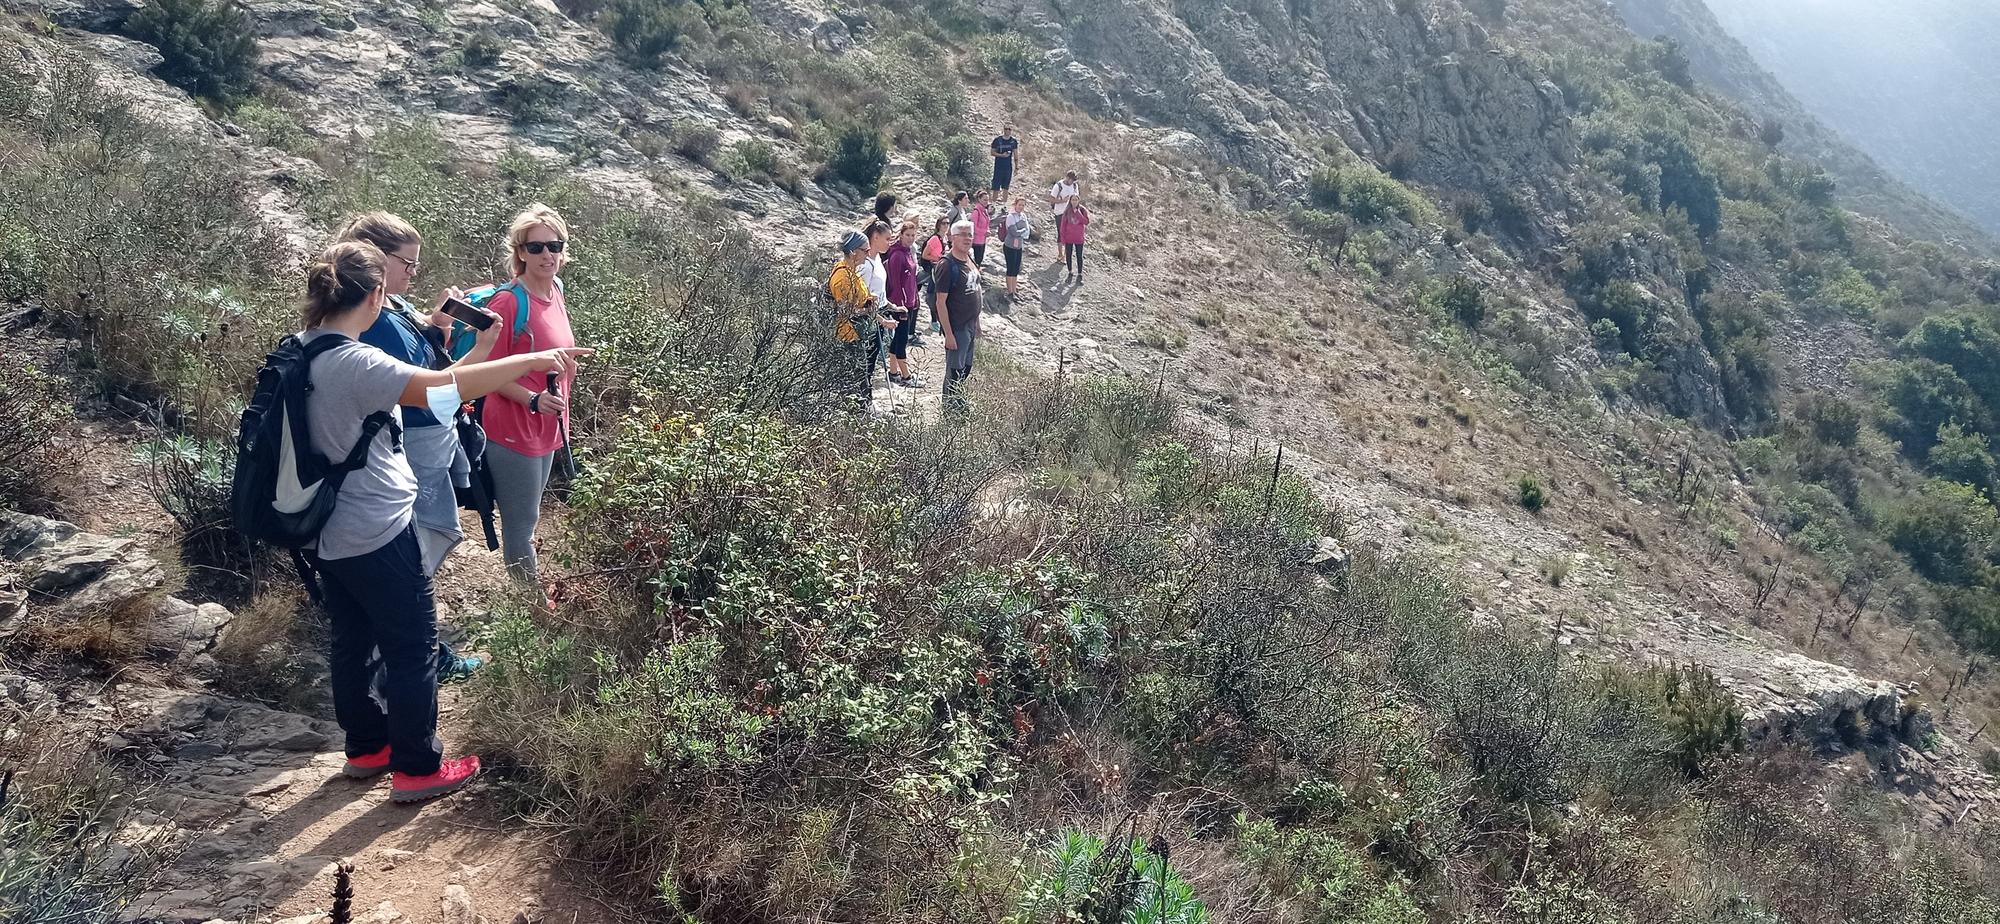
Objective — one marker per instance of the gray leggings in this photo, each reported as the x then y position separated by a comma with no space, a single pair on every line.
518,482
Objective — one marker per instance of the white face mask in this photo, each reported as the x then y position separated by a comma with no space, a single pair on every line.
444,400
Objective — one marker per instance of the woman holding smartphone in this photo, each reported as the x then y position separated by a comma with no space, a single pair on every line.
378,593
430,444
527,422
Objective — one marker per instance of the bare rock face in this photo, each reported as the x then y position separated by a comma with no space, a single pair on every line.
61,566
1266,81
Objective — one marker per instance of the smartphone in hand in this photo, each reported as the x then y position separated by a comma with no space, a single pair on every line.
462,310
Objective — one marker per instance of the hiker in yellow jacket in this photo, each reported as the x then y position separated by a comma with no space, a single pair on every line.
855,319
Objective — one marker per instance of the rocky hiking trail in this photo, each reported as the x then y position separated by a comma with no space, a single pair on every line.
250,799
1268,355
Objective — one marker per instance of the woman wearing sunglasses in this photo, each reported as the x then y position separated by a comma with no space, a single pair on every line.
527,423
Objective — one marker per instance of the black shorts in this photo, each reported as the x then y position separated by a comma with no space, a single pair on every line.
1013,260
1003,173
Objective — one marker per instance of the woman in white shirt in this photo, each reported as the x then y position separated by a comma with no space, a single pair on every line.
1061,196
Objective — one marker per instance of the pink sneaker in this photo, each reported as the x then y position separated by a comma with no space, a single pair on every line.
452,775
368,766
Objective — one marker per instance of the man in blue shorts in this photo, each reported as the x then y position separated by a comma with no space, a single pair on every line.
1006,153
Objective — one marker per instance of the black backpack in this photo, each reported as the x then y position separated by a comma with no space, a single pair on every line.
283,490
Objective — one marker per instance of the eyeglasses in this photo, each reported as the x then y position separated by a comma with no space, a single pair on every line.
539,246
413,265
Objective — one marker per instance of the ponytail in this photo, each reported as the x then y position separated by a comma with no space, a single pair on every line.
342,278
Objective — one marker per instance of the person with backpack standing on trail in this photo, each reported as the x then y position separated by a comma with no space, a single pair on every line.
854,315
901,264
958,298
1070,233
377,593
961,207
431,445
1006,158
1015,230
1066,191
527,422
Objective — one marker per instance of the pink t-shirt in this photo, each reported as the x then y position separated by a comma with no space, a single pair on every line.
981,223
506,421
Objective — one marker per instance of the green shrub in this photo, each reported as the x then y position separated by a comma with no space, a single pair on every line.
527,98
1948,531
1014,57
35,455
207,47
106,207
1626,306
1922,396
1963,457
1533,497
1367,194
1464,300
482,49
74,852
1125,881
858,156
696,141
646,30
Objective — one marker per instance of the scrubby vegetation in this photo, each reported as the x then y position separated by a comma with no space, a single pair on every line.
1063,656
207,47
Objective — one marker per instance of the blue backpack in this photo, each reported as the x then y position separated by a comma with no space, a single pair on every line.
461,345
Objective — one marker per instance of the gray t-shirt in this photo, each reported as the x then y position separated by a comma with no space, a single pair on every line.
350,382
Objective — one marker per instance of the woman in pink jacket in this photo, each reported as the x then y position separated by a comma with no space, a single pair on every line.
1070,231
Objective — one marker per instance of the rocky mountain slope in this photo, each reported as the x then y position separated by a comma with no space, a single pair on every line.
1723,61
1193,124
1855,65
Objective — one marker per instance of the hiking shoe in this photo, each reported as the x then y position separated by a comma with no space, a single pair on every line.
367,766
452,776
460,669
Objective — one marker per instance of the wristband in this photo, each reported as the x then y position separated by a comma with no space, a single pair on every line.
535,403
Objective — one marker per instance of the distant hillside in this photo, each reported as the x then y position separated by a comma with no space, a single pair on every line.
1908,190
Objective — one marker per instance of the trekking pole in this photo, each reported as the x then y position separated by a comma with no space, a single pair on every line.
566,463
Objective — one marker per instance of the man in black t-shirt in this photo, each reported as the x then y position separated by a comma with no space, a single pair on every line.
959,290
1006,154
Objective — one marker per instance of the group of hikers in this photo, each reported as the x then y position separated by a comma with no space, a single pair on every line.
388,388
405,416
884,277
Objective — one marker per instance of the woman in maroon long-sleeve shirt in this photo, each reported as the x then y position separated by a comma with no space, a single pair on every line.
901,265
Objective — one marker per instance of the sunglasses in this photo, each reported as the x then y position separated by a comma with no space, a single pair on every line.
539,246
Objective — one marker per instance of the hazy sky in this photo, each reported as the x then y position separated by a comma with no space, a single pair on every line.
1914,82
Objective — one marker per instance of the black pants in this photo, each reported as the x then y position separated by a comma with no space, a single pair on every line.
899,344
383,600
1073,254
978,254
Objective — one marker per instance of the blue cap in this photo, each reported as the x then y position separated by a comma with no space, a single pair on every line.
852,242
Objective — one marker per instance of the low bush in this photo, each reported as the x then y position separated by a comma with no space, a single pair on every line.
858,156
1014,57
482,49
36,456
70,857
207,47
1533,496
696,141
107,208
647,30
